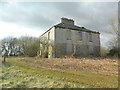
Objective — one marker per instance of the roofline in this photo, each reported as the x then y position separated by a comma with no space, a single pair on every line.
77,29
68,28
47,31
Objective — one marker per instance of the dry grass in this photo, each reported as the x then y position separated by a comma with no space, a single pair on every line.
60,73
107,66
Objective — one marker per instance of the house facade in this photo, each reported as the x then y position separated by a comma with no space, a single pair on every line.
67,38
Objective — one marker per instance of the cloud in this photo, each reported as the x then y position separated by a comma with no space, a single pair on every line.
43,15
17,31
92,15
32,14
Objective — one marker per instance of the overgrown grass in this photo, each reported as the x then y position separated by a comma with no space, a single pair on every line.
17,74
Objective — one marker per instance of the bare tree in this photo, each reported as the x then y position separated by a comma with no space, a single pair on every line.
24,46
29,45
4,49
114,43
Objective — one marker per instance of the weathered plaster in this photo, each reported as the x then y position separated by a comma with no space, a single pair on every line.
58,45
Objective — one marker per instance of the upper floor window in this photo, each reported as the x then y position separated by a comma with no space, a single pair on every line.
48,35
68,34
90,37
80,36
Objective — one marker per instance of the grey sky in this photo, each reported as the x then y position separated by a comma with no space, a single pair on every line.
40,16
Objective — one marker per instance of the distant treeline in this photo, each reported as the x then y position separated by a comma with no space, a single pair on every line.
23,46
29,46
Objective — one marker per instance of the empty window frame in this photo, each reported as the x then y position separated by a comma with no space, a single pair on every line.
80,36
90,37
48,35
68,34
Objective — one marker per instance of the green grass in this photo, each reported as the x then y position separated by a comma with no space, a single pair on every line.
17,74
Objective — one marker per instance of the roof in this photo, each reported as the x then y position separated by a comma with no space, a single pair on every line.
73,27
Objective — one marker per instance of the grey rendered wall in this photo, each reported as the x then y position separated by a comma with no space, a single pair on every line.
83,48
87,48
96,44
60,42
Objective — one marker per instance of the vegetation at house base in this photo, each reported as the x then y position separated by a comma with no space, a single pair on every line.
46,49
25,73
103,51
114,45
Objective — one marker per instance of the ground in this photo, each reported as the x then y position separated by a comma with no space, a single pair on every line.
25,72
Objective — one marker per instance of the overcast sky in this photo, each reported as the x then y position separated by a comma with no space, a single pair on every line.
34,18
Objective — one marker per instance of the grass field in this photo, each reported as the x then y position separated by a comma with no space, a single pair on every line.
40,73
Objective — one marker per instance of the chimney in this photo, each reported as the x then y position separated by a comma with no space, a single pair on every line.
67,21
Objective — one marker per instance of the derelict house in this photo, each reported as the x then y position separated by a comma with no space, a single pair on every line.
67,38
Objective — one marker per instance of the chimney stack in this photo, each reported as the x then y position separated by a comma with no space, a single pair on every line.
67,21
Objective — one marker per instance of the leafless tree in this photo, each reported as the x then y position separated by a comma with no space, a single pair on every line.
113,22
23,46
29,45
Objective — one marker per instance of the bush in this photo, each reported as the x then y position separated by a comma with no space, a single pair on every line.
113,52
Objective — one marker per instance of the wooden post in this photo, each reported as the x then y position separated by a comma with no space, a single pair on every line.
4,58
